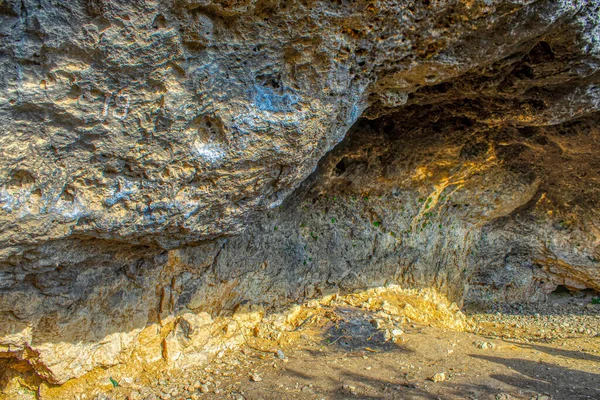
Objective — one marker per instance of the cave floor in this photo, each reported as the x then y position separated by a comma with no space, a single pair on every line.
546,351
565,369
468,366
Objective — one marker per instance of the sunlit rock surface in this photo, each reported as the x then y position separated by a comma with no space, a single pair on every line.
139,137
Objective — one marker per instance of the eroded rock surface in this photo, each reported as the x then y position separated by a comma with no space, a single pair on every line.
139,136
170,122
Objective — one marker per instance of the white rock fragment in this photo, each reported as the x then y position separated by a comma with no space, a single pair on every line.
439,377
255,377
484,345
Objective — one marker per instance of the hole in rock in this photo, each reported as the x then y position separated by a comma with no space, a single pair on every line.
159,22
561,289
21,179
340,167
542,52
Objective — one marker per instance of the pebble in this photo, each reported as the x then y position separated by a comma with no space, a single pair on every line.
255,378
350,388
484,345
397,332
439,377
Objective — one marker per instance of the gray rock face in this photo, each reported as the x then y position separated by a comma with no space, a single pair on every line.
175,121
162,123
137,137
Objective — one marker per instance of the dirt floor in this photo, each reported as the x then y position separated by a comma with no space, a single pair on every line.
360,348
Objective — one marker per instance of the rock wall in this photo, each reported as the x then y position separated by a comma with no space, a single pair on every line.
139,137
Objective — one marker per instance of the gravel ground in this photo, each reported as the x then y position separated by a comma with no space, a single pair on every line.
562,316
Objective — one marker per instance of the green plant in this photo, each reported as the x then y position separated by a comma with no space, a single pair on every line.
377,224
596,300
114,382
313,235
275,229
27,391
333,220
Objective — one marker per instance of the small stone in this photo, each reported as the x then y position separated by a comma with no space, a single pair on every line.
349,388
255,378
439,377
389,308
378,323
397,332
502,396
484,345
387,335
204,388
280,355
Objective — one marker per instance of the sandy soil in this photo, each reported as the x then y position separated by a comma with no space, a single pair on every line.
348,349
345,356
